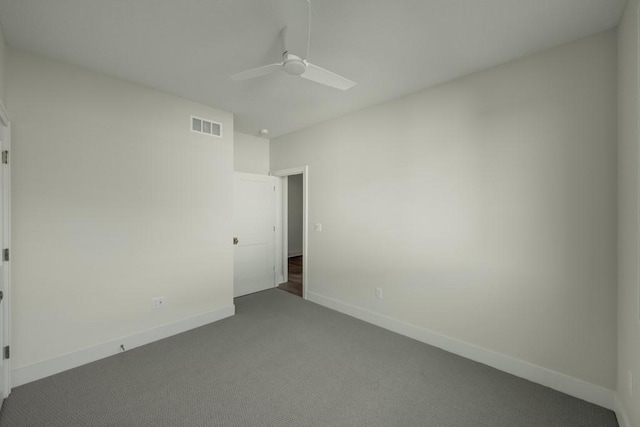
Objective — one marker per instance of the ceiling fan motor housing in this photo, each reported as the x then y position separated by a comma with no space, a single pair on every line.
294,64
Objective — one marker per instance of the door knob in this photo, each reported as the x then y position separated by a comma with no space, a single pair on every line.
235,240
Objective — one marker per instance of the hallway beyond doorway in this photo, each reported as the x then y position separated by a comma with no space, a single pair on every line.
294,285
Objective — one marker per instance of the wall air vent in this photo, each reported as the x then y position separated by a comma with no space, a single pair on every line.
207,127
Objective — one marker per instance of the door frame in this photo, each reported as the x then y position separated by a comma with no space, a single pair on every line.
283,235
6,244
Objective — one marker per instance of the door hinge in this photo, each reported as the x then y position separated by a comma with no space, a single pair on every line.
5,255
274,188
7,353
274,268
1,296
5,157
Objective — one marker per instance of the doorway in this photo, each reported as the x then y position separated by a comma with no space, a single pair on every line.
293,259
294,226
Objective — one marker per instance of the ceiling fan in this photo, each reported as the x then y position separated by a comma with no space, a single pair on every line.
297,66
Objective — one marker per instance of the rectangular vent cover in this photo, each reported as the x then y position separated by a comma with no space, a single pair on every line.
207,127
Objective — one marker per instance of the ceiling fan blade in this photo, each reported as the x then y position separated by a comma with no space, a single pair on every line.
326,77
257,72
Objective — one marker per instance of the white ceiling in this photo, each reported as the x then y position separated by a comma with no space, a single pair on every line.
389,47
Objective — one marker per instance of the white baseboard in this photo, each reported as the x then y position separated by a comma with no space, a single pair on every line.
67,361
558,381
295,253
621,413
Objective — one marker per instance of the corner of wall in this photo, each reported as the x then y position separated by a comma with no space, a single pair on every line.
250,153
621,413
628,357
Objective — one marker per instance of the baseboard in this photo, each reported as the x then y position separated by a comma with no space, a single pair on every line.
561,382
62,363
295,253
621,413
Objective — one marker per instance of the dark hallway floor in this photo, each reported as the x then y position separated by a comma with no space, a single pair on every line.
294,285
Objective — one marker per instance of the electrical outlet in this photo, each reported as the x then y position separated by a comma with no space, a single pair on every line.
379,293
630,382
157,302
317,227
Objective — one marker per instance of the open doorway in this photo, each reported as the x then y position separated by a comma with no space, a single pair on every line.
291,238
294,221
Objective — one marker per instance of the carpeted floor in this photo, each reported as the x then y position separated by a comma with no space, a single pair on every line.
282,361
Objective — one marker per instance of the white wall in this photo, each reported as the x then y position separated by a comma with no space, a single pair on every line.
485,208
250,154
294,215
3,49
115,201
628,213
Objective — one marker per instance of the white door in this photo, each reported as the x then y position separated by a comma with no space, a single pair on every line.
5,236
254,231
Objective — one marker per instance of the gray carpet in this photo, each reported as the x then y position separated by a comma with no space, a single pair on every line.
281,361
